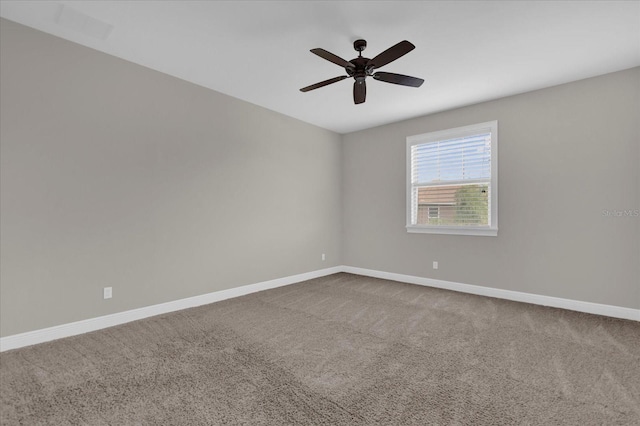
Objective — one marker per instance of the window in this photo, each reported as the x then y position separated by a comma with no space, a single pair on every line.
452,181
434,212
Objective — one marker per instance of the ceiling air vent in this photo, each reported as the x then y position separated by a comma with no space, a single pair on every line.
85,24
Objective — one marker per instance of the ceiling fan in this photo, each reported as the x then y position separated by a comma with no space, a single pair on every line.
359,68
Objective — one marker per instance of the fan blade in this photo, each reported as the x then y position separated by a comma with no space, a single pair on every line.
391,54
359,92
324,83
403,80
332,58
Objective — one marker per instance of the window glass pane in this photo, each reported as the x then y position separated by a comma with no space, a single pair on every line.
453,205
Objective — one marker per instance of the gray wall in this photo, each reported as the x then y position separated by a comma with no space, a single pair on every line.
116,175
566,153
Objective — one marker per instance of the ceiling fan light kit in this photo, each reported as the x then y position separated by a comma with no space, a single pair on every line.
360,68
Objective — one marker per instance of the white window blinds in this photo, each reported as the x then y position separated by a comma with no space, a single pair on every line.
453,172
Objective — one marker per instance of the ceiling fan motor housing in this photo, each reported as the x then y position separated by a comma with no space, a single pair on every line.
361,69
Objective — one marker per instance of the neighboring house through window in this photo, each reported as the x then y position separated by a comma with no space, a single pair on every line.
452,181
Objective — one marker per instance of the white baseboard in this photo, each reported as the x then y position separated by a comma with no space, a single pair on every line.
71,329
536,299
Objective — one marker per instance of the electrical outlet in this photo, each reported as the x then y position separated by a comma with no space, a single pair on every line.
435,265
323,257
107,292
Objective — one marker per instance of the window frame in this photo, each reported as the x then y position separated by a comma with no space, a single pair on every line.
442,135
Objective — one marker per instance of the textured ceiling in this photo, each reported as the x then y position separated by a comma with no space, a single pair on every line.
467,52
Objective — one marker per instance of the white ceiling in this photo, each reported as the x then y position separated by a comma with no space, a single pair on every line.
258,51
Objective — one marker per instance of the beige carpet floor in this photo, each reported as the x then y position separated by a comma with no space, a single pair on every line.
337,350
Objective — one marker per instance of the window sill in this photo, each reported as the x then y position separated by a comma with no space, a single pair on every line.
450,230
